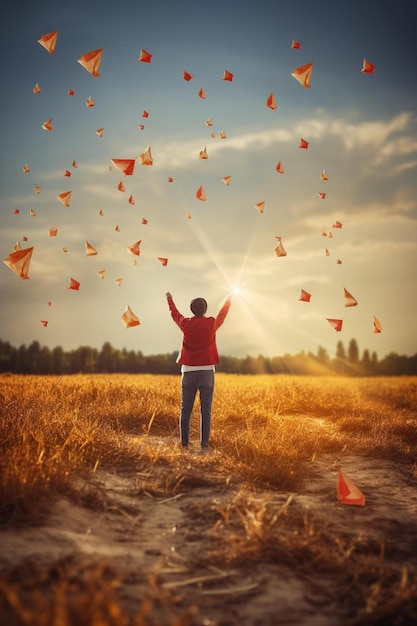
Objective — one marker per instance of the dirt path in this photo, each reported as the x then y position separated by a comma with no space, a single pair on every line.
167,538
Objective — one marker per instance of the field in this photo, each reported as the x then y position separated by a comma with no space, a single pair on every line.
106,521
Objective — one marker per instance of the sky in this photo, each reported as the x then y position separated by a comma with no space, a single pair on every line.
361,130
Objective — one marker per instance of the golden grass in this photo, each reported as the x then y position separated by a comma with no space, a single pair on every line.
266,427
266,430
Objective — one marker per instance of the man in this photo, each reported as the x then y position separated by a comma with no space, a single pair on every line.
198,358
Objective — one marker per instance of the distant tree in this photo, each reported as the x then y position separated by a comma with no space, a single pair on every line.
33,357
353,351
41,360
107,359
45,361
84,360
366,362
340,350
322,355
6,352
59,361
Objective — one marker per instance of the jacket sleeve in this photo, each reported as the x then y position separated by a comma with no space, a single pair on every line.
175,314
221,316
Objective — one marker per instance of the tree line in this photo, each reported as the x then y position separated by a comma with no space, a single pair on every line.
37,359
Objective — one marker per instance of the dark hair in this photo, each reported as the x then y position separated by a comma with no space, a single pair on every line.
198,306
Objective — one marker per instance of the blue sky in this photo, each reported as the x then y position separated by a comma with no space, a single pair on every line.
361,130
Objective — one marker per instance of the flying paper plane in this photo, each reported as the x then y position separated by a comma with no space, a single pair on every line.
200,195
135,248
146,157
349,299
129,318
367,67
74,284
295,44
48,41
89,249
304,296
65,198
187,76
336,324
227,75
19,261
47,125
37,89
91,61
280,250
126,166
348,492
144,56
377,326
303,74
271,102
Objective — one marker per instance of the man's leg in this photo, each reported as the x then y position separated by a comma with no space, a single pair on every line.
188,391
206,386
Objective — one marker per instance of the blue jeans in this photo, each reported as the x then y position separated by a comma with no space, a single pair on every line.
191,382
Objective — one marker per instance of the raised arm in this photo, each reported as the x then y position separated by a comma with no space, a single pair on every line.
221,316
175,314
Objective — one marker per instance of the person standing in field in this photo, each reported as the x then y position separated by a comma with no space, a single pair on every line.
198,358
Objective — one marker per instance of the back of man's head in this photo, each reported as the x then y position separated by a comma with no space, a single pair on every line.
198,306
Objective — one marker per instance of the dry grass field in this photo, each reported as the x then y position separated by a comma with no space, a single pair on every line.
106,521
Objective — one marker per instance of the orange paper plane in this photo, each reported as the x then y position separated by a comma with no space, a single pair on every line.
348,492
48,41
129,318
91,61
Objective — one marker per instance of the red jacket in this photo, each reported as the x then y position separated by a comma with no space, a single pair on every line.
199,335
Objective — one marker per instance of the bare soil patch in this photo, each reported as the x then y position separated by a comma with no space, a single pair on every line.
162,554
